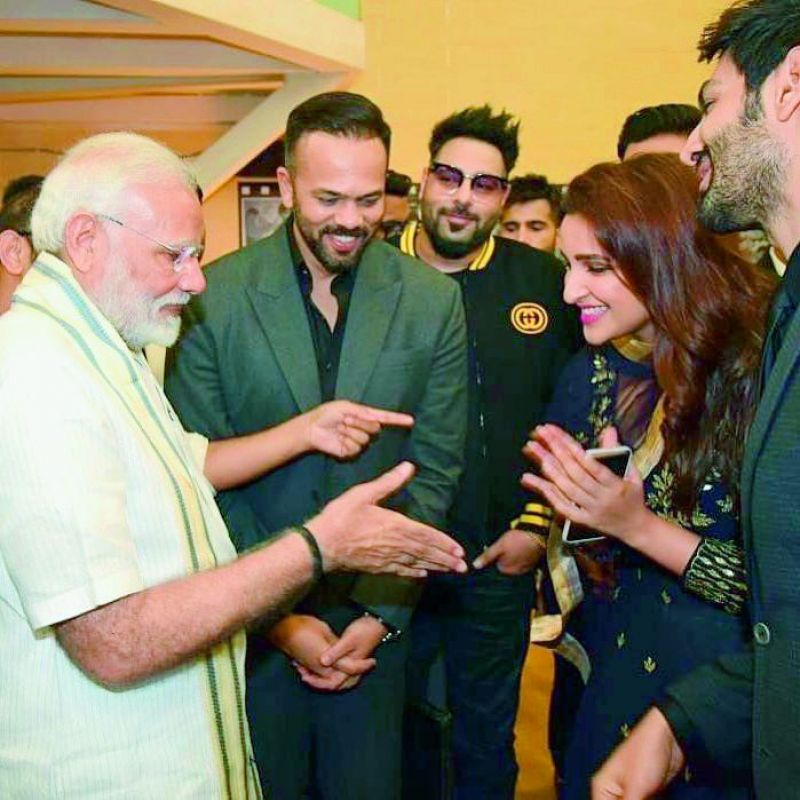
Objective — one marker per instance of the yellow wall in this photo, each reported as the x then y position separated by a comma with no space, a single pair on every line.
222,221
570,69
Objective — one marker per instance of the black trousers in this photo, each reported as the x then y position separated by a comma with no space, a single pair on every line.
480,624
327,745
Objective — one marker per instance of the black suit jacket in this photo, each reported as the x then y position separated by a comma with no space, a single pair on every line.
744,711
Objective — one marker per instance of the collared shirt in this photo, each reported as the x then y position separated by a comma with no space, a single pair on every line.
101,497
778,264
327,341
791,277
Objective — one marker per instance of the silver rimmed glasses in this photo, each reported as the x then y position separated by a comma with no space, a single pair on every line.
181,254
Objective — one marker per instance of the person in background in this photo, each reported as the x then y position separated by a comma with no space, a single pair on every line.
520,334
396,207
16,250
318,311
665,129
657,129
740,714
121,596
532,212
665,589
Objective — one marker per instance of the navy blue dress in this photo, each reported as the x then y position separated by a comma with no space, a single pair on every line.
640,627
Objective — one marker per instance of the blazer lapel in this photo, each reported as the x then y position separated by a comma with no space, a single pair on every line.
279,309
372,308
770,400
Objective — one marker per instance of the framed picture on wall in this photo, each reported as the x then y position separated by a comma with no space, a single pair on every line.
259,209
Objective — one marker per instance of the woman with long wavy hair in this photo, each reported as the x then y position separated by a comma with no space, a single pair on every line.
674,325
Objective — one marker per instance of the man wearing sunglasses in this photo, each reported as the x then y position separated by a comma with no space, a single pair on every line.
16,250
519,336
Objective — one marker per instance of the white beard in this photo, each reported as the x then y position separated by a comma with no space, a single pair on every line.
135,316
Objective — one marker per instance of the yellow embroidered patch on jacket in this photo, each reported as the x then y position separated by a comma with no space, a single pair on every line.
529,318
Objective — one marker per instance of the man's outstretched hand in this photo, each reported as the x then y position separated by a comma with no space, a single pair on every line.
356,534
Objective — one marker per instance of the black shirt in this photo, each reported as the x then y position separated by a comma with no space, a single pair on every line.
519,336
327,342
781,313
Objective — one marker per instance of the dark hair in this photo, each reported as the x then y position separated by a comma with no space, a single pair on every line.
397,184
708,306
498,130
535,187
339,114
19,197
678,118
758,34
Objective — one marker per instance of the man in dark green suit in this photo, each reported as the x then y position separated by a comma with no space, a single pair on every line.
320,311
742,714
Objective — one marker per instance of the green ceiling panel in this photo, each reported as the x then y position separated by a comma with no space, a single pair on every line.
350,8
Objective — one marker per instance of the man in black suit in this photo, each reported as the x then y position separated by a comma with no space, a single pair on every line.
743,713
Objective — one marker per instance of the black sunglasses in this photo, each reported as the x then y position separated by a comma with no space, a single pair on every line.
482,184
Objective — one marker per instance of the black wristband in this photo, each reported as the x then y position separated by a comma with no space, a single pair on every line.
316,553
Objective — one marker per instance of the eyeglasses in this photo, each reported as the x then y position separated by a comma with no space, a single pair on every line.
181,256
483,186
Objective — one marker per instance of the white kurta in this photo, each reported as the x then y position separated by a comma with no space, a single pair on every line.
100,497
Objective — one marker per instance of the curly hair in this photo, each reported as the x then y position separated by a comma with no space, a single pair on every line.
707,304
479,122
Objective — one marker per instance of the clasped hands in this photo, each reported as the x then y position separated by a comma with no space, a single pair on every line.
323,660
581,488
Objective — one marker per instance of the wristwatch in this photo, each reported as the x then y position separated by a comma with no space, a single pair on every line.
392,633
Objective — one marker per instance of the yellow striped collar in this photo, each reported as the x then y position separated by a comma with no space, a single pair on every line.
408,246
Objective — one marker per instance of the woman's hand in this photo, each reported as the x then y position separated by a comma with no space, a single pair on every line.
342,429
584,490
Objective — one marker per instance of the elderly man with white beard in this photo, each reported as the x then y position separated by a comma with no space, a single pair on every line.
122,601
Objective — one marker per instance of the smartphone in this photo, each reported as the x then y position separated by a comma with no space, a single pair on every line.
617,459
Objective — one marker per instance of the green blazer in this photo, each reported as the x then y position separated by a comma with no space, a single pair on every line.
246,361
744,711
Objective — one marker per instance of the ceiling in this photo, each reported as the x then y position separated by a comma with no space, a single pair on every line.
232,66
